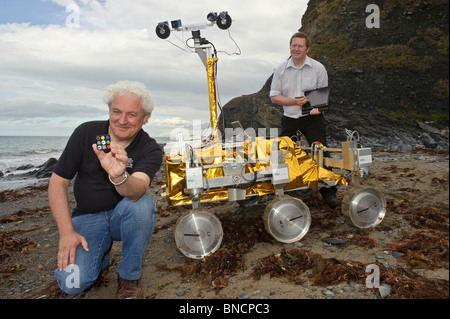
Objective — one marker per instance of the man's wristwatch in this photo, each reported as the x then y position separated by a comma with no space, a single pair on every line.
121,182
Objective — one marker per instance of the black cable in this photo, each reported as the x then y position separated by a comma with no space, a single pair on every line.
186,42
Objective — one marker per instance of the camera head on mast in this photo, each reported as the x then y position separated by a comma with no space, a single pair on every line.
223,21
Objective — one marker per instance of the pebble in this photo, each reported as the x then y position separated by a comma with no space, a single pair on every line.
243,296
346,289
397,254
169,239
327,292
180,293
384,290
334,241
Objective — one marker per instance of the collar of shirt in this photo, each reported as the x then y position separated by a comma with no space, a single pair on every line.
291,64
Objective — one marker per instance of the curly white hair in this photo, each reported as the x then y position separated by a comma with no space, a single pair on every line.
130,87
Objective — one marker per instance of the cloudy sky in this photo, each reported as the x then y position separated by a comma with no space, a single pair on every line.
58,56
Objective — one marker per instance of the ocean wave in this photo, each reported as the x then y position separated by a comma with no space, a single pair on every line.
13,153
41,152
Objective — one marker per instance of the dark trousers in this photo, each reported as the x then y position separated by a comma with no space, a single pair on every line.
312,126
314,129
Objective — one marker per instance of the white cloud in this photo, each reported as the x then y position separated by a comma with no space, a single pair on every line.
59,68
29,109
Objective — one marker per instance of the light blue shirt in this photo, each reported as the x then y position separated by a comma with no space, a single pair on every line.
291,81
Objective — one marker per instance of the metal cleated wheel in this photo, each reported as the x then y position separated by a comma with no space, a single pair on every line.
198,234
287,219
364,206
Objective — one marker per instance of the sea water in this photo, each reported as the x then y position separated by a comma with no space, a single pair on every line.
18,152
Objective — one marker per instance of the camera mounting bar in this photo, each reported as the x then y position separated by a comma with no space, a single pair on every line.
223,21
204,50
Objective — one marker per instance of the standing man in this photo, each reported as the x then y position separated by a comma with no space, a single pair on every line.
291,80
110,193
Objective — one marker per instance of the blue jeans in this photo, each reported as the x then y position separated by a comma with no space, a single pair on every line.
130,222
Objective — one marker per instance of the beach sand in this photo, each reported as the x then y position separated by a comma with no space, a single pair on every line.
410,246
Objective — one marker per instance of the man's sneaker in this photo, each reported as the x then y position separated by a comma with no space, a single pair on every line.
129,289
329,195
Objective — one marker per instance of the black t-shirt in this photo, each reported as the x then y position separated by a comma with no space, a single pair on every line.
92,189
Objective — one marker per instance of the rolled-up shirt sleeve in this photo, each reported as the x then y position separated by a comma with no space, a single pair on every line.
322,78
275,88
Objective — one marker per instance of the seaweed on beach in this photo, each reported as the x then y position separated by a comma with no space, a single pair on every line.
217,268
214,270
242,233
427,243
9,195
325,219
11,241
292,265
21,214
425,248
406,284
331,271
429,218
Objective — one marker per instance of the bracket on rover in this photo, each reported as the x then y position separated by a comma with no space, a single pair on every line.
350,157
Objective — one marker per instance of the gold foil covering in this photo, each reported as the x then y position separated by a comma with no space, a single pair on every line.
303,171
211,62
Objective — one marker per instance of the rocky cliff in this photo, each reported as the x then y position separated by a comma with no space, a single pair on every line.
389,81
